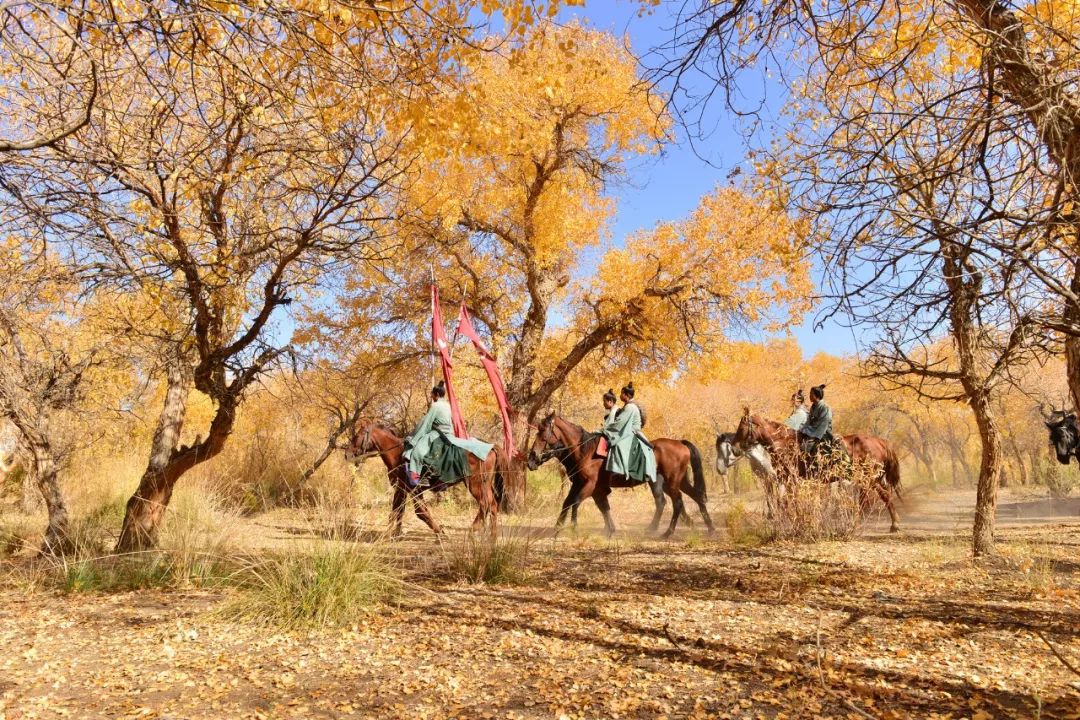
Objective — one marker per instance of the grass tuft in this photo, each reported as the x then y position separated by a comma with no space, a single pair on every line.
327,584
500,560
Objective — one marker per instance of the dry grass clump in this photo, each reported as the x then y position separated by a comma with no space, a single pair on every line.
493,560
830,505
327,583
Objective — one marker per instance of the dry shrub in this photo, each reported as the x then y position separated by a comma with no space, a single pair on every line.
744,527
325,584
494,560
828,506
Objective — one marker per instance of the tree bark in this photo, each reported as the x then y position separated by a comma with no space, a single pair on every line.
989,472
146,508
57,534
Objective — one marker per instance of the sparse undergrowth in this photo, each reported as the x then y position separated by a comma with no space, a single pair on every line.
326,584
481,558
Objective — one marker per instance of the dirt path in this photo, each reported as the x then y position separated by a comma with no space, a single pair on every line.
897,627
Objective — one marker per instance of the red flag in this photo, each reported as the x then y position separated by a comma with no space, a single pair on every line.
466,328
438,337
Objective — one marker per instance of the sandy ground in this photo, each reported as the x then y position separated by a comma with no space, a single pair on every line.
883,626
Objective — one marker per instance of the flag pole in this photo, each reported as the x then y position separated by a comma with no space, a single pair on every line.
431,343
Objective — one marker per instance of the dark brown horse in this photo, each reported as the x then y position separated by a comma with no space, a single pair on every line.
485,478
783,444
576,450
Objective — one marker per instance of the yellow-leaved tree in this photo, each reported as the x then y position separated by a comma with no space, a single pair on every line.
510,191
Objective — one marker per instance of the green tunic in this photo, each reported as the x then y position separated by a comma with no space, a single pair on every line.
629,454
425,446
819,424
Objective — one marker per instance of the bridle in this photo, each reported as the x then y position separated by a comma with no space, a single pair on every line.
553,446
365,445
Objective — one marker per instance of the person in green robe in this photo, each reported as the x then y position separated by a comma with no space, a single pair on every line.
432,444
629,453
798,416
818,427
609,407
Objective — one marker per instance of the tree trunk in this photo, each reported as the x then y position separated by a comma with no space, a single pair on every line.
1020,465
515,485
146,507
57,536
989,471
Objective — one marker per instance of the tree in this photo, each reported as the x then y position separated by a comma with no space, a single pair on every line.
42,56
43,366
1012,67
933,204
512,193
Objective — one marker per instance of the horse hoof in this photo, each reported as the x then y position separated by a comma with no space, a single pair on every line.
894,529
667,535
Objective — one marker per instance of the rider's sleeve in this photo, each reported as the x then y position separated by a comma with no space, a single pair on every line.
423,428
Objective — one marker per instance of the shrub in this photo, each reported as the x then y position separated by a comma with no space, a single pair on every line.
482,558
1059,479
828,506
327,584
744,527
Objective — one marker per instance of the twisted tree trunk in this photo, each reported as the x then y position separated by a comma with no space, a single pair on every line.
146,508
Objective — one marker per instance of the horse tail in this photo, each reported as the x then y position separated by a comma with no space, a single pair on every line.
699,470
892,471
502,468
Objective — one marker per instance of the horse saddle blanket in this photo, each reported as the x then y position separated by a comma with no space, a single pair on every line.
602,447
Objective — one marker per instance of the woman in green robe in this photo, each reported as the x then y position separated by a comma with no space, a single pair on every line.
609,408
437,427
629,454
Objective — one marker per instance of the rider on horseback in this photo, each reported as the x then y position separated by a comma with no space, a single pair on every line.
609,407
434,433
798,416
818,427
630,453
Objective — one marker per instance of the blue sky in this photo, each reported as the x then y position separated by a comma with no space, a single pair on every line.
668,187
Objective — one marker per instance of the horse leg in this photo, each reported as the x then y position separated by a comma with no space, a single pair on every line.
677,509
657,489
886,497
570,504
601,500
397,511
485,499
420,506
700,501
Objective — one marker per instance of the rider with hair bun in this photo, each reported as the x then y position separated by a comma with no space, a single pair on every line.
609,408
818,425
630,453
798,416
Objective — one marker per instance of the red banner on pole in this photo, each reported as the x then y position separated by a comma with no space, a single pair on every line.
438,337
465,327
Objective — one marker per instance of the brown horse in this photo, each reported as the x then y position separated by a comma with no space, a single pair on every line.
485,478
576,450
783,444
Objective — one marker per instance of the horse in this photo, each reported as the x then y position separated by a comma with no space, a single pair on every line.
485,479
1064,435
784,442
728,453
576,450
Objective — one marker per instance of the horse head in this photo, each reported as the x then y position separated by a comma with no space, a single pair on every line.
727,452
360,442
546,444
1064,435
749,432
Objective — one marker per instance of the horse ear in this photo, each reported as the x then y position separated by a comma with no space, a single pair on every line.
1049,424
746,410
